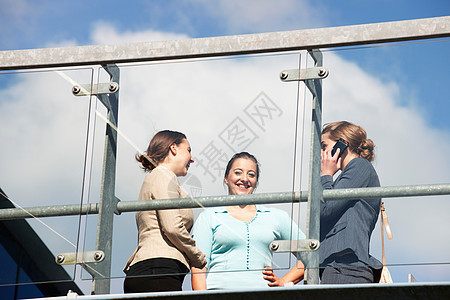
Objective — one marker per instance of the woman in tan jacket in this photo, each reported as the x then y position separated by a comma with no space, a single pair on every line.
165,249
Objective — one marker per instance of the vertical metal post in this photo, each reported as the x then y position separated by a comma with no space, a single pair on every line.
108,200
311,259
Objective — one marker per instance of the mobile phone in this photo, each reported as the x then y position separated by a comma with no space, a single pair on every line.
341,144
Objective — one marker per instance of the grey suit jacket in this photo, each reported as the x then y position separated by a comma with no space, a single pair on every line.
346,225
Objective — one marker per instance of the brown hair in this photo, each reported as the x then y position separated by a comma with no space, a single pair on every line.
355,135
159,148
242,155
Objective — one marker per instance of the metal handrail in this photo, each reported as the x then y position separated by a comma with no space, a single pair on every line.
212,201
365,34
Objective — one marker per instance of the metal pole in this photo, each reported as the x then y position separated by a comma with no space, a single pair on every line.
108,200
311,259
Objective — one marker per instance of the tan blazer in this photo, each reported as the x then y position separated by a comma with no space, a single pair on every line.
165,233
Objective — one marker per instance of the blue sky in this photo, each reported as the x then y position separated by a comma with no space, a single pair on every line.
40,24
35,24
398,93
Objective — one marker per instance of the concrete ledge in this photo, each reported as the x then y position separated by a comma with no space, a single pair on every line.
351,291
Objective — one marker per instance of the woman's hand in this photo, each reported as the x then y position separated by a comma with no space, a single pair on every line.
198,278
273,279
330,164
204,262
294,276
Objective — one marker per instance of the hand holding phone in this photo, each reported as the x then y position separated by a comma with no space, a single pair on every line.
340,144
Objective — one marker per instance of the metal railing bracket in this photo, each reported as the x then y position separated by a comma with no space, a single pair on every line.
304,74
305,245
95,89
72,258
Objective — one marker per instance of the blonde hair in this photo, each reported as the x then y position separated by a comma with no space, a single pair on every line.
354,135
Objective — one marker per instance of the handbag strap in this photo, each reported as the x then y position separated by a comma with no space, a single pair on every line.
384,223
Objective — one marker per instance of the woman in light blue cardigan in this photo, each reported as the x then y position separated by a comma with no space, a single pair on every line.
236,239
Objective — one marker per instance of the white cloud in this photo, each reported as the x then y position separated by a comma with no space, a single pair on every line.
105,33
407,149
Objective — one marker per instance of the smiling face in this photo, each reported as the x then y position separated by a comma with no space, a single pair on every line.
242,178
182,158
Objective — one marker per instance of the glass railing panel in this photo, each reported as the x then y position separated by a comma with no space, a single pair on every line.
43,151
224,106
398,95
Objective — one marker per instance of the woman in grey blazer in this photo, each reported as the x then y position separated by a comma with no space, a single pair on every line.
346,225
165,250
